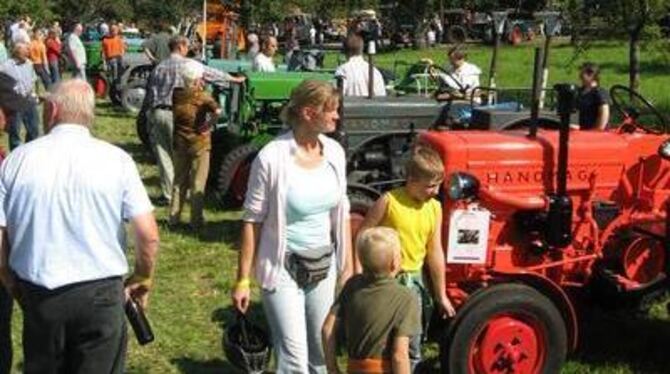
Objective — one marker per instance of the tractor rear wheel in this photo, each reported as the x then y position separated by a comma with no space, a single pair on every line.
507,328
456,35
233,175
142,128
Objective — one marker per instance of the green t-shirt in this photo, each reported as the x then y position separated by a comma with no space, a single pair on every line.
374,311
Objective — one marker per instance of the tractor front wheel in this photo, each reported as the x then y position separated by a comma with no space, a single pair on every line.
233,175
507,328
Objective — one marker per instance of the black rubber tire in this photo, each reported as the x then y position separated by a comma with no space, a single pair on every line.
456,35
241,156
501,299
142,128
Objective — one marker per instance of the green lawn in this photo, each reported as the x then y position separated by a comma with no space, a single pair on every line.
195,271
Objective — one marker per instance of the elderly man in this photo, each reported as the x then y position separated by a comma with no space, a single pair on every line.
77,52
62,242
162,82
20,68
10,102
355,73
263,61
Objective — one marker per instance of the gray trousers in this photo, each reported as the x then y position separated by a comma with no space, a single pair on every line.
161,127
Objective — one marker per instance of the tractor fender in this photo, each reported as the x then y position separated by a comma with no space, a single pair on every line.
125,77
556,294
364,190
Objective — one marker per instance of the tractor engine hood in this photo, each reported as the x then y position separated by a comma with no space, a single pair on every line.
512,164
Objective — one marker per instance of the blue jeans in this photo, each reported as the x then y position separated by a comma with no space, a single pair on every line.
115,66
295,316
30,120
43,73
54,69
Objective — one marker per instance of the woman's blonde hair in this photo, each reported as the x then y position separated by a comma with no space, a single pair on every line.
310,93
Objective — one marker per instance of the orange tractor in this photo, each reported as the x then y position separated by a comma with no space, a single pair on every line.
222,26
532,217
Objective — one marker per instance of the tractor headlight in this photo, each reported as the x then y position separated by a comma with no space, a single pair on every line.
463,186
664,150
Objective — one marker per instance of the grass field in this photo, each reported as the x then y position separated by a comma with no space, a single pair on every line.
190,303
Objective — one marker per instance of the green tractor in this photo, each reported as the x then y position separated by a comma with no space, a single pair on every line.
249,120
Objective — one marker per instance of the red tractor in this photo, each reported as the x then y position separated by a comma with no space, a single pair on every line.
533,217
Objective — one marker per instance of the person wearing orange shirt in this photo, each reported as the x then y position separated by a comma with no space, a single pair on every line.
38,56
113,49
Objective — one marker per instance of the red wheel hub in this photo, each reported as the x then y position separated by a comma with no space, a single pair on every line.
509,344
100,87
644,260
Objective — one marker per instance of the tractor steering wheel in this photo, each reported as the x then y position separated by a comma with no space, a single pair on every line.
435,71
637,112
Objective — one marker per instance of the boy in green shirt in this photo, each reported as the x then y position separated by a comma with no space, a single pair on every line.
379,315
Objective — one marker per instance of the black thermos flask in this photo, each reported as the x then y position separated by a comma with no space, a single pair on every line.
139,322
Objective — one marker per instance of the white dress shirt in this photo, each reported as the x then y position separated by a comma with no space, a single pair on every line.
77,50
263,63
64,200
355,78
467,77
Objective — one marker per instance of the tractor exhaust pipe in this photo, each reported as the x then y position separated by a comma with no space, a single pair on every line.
537,81
559,228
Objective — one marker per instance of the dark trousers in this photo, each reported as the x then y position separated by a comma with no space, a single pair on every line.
43,73
54,71
76,329
30,119
5,331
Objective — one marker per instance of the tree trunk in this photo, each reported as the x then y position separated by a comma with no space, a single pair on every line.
634,61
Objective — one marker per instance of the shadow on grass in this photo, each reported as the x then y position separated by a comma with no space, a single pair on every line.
193,366
224,231
140,154
639,343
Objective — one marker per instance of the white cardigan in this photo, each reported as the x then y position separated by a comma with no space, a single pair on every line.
265,203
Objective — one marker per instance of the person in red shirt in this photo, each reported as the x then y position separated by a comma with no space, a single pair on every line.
113,49
54,47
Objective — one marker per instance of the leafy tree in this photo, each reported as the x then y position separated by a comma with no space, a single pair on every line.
635,20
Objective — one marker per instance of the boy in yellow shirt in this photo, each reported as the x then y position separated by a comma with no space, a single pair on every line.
416,215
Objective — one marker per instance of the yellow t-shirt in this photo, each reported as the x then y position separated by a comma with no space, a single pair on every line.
415,223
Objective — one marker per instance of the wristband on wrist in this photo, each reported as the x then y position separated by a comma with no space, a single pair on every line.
243,284
141,280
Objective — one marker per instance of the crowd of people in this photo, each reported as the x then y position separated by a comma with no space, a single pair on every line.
58,214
